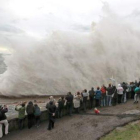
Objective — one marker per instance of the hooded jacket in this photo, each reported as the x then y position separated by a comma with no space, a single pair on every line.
120,90
2,113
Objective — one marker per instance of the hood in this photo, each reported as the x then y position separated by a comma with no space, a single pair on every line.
119,85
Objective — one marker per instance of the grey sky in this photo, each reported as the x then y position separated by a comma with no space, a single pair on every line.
40,17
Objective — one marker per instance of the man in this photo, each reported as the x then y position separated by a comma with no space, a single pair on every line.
120,93
103,98
137,94
3,120
124,86
98,97
91,97
85,96
51,112
109,95
69,103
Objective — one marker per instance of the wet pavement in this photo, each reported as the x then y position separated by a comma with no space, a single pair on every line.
83,127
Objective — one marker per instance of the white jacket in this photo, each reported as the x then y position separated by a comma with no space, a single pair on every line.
120,90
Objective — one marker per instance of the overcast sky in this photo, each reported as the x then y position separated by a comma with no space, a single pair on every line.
40,17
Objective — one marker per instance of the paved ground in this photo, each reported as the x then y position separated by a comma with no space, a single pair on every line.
83,127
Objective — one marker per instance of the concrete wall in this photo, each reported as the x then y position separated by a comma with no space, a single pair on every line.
13,123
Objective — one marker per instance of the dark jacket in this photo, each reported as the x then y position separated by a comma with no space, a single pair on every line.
110,90
30,108
61,104
69,98
91,94
51,109
2,113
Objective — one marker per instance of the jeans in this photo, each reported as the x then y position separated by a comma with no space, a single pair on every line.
5,122
103,101
109,100
124,97
136,97
37,120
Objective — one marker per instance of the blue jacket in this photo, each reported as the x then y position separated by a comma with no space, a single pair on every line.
98,94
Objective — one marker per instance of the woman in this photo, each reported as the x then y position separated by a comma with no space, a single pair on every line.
21,114
37,114
30,114
76,101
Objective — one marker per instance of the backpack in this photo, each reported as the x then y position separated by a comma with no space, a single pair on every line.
37,111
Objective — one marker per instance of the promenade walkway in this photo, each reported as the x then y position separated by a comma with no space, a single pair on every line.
83,127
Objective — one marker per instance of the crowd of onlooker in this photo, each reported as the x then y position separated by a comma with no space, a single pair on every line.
80,101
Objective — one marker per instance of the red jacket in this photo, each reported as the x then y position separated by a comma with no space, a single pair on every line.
103,90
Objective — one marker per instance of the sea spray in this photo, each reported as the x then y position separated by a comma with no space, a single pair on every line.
73,61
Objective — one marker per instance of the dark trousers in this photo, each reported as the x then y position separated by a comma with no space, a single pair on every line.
37,120
91,103
132,94
69,108
97,102
77,110
30,120
59,112
119,98
21,123
51,124
85,103
114,101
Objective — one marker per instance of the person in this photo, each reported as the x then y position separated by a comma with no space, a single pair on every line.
37,114
21,115
137,94
124,86
103,97
109,95
51,98
3,120
128,90
61,102
85,96
120,93
69,103
133,86
51,113
91,97
98,96
30,114
114,96
76,101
